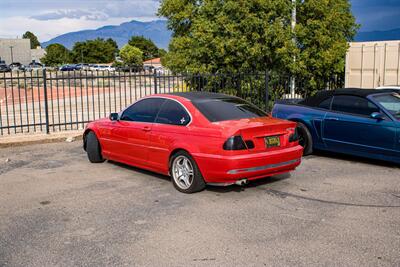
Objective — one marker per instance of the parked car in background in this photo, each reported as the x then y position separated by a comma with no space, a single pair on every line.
160,70
70,67
4,68
101,68
128,68
197,138
393,87
148,68
17,66
107,68
34,66
361,122
82,66
93,67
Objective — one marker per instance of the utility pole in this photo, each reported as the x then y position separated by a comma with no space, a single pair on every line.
12,56
294,20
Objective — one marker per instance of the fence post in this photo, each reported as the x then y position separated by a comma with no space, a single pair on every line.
155,81
266,90
46,104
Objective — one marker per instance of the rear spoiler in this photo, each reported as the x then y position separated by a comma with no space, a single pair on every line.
289,101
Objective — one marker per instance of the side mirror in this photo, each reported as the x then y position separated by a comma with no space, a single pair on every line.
378,116
114,116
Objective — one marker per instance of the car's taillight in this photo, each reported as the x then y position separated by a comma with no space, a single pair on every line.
294,137
249,144
234,143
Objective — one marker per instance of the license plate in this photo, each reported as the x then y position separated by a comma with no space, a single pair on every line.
272,141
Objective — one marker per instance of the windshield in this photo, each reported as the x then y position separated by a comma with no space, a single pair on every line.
391,102
228,109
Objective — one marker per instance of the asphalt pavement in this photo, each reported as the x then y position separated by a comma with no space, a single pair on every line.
57,209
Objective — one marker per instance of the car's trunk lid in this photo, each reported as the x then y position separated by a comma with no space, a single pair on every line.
265,132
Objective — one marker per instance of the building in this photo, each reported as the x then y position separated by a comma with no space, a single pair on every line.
373,64
19,50
154,62
37,54
15,50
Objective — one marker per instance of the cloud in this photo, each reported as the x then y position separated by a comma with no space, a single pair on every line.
15,26
49,18
71,14
103,10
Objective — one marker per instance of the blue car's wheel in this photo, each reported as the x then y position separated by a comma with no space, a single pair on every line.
305,139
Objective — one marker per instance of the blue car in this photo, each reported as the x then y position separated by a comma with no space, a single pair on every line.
360,122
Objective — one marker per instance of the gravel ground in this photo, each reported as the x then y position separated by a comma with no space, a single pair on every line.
57,209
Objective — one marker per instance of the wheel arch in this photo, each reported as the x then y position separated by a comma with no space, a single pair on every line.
303,121
173,152
86,132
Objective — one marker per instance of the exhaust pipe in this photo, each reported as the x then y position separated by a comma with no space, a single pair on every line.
242,182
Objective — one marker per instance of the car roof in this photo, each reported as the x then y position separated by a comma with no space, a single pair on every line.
202,96
322,95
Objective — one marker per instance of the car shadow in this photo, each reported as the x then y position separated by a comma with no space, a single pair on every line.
141,171
217,189
339,156
252,184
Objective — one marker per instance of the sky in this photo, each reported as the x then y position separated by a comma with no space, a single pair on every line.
50,18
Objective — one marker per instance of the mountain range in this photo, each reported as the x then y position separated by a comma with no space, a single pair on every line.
157,31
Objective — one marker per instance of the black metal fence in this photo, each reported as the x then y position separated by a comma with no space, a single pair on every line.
50,101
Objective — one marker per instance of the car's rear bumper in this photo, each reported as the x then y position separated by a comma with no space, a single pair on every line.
228,169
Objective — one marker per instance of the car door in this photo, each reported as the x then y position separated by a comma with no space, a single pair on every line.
349,127
131,133
170,125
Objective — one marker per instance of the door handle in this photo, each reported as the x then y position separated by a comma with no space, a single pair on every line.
146,128
332,119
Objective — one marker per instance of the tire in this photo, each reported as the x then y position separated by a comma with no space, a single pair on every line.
93,148
182,165
305,139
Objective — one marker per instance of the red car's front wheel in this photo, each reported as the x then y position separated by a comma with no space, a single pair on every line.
185,173
93,148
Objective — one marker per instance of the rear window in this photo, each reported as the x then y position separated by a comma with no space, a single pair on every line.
228,109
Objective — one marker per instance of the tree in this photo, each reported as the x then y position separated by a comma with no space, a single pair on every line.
34,40
56,54
149,49
131,55
323,32
94,51
113,44
242,35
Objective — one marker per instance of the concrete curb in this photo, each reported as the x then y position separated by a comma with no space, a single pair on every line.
22,140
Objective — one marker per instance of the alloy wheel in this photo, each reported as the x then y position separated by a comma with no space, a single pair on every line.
182,172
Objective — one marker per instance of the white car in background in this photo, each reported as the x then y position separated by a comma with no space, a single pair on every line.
101,68
394,87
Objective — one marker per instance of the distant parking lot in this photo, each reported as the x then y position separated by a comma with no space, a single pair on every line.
57,209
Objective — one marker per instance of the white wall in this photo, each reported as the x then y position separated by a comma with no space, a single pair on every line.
373,64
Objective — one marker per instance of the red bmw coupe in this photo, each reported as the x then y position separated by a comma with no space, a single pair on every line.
197,138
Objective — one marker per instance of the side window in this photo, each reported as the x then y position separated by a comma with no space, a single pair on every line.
326,104
354,104
173,113
143,111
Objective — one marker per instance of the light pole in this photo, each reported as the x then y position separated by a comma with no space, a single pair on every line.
294,20
12,56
